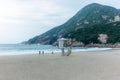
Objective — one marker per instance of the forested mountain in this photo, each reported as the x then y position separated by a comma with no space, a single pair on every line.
86,26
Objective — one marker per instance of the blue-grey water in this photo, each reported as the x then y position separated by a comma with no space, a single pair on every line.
20,49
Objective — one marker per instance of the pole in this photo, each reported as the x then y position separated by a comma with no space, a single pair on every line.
62,49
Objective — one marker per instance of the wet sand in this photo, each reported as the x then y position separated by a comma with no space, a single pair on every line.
97,65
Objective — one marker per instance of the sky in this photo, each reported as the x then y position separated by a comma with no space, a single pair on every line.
21,20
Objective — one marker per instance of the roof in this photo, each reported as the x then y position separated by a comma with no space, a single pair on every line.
62,39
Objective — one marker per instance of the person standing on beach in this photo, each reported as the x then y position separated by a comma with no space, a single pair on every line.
69,46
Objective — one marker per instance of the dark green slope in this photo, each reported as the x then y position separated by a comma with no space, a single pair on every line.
90,34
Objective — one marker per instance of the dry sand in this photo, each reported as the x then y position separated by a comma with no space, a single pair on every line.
97,65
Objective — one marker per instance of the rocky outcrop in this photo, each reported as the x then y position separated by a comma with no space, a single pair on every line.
116,45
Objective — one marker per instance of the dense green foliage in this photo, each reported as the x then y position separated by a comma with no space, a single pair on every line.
90,34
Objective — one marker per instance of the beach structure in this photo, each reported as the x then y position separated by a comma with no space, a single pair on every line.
61,44
64,43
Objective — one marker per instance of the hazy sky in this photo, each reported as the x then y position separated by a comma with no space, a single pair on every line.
24,19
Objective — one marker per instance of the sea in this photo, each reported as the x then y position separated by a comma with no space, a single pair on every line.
23,49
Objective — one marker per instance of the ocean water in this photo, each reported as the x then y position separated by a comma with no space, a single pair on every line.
21,49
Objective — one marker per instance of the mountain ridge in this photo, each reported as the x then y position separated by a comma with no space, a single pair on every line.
88,16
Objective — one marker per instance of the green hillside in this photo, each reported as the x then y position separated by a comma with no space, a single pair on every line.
85,26
90,34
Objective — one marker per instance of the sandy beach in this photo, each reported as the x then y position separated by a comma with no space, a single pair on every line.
96,65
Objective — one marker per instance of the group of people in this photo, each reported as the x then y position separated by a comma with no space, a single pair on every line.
42,52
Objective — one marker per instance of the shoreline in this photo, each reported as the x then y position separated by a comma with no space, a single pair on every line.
30,52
